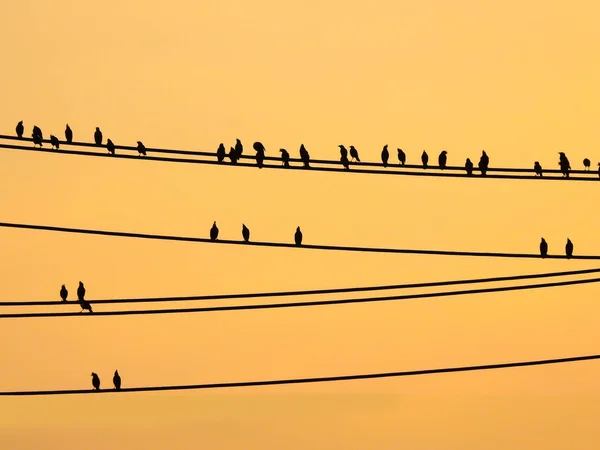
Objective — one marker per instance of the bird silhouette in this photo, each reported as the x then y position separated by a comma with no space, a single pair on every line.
304,156
81,291
424,159
354,154
285,157
98,136
569,248
141,148
484,162
260,153
538,169
64,293
221,153
81,299
117,380
298,236
239,148
233,155
469,167
37,140
245,233
37,132
85,305
110,146
20,129
69,134
543,248
586,164
343,152
385,155
564,164
95,381
401,157
54,141
442,159
214,231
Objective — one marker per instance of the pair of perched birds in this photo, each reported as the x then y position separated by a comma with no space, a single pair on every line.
116,381
214,233
568,248
64,293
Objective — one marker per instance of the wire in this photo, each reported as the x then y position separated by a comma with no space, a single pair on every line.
286,245
365,376
338,168
313,291
301,304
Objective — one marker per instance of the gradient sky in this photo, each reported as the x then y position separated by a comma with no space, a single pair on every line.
516,78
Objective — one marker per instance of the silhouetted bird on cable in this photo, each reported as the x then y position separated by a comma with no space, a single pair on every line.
344,157
564,164
214,232
401,157
569,248
20,129
543,248
95,381
298,236
37,132
385,156
285,157
424,159
469,167
69,134
239,148
442,159
81,291
484,162
233,155
37,140
117,380
81,298
260,153
245,233
54,141
221,153
304,156
98,136
586,164
141,148
354,154
538,169
110,146
64,293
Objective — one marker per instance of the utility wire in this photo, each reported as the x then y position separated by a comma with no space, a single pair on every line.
286,245
365,376
299,304
312,291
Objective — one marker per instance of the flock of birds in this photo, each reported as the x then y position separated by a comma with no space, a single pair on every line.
236,152
116,381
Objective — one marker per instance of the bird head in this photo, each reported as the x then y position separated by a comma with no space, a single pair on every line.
97,128
94,375
80,283
385,146
116,372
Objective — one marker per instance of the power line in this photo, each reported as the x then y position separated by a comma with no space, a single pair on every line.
312,291
287,245
356,167
300,304
311,380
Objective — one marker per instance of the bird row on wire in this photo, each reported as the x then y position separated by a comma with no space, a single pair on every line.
64,294
544,248
236,152
214,233
116,381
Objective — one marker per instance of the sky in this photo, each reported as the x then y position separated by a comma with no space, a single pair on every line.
518,79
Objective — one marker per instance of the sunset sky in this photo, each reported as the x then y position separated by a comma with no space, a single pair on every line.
516,78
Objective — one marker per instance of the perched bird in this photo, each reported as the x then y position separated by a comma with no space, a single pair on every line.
424,159
54,141
37,140
260,153
98,136
20,129
81,291
586,164
141,148
64,293
298,236
69,134
385,155
304,156
564,164
110,146
469,167
95,381
233,155
442,159
484,162
81,298
538,169
345,162
543,248
245,233
239,148
285,157
569,248
117,380
37,132
354,154
221,153
214,231
401,157
343,152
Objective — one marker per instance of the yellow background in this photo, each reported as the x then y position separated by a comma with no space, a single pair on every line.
516,78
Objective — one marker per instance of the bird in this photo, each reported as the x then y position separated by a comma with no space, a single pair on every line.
298,236
98,136
117,380
285,157
245,233
343,152
64,293
81,291
85,305
484,162
95,381
141,148
354,154
304,155
214,231
221,153
233,155
469,167
569,248
401,157
564,164
543,248
239,148
586,164
69,134
538,169
442,159
54,141
20,129
37,140
385,155
260,153
37,132
424,159
110,146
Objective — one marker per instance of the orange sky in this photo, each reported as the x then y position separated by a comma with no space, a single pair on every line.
518,79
